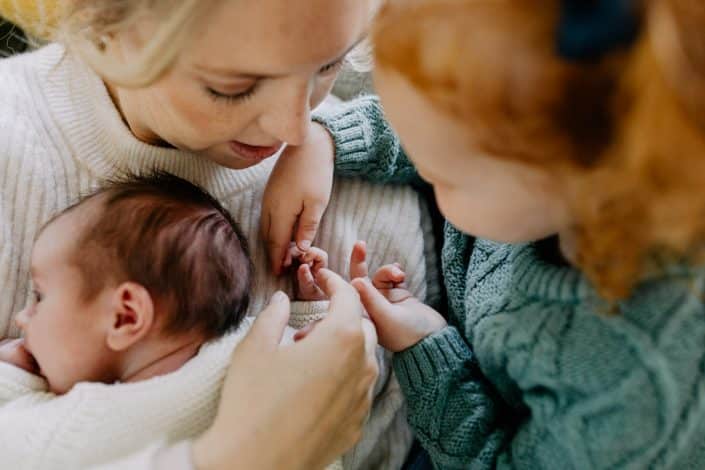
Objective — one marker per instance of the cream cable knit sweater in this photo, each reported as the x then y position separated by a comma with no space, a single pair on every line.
60,135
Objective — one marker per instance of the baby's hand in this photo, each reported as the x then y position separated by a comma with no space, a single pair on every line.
310,262
400,318
13,352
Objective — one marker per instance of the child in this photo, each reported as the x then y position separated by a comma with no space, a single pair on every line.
128,285
570,133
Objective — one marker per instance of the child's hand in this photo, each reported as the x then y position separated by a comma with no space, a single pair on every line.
297,195
311,261
400,318
13,352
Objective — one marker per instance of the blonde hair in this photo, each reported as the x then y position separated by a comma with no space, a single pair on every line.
625,135
38,18
88,26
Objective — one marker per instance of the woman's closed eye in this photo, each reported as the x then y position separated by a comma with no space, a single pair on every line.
232,97
246,94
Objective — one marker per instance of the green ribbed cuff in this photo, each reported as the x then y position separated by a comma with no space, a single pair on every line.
432,357
347,127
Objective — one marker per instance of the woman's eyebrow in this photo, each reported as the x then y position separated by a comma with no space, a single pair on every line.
256,76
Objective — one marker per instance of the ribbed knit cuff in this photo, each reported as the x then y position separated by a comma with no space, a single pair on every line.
306,312
347,127
432,357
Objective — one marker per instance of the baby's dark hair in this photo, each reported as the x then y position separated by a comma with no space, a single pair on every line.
174,239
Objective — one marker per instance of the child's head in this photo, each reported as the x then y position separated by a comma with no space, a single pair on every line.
144,268
521,142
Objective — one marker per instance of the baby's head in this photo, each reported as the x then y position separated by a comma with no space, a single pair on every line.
584,119
132,280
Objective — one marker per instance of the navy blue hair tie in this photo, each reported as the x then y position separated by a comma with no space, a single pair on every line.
589,29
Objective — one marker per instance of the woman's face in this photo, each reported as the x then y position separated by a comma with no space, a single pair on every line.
246,83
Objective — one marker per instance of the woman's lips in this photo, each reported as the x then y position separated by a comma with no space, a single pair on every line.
254,152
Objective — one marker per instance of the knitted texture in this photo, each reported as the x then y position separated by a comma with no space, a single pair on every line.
94,422
355,139
60,136
533,371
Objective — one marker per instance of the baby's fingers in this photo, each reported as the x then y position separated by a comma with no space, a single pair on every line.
316,258
308,289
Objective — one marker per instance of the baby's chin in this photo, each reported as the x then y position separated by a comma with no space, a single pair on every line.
54,386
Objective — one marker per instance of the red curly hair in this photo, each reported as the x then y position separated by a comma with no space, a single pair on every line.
626,133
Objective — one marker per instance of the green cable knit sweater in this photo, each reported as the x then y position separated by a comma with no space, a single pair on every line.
533,372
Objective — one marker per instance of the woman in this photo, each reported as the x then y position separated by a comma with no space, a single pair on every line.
212,91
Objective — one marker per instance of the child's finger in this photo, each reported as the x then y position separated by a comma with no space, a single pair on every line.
308,223
277,229
358,260
377,306
388,277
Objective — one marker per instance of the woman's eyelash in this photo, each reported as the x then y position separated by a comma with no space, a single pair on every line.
237,97
247,94
37,296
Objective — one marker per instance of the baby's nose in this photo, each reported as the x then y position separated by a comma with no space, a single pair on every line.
21,319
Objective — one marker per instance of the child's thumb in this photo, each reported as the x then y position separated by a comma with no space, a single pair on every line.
268,329
377,306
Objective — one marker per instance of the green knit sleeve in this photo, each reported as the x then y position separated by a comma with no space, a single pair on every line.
455,413
365,144
571,386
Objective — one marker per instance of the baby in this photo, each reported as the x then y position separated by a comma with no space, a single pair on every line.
128,285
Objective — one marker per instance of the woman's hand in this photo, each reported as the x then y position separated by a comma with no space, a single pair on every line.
297,195
298,406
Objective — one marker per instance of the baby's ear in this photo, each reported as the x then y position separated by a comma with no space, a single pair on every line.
132,316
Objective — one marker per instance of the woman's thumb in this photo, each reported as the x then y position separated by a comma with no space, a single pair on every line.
268,329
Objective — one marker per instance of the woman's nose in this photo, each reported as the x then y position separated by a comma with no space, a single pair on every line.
290,119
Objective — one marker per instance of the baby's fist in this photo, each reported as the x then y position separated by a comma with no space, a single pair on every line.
13,352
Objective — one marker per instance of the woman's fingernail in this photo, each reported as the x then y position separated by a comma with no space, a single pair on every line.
305,245
278,297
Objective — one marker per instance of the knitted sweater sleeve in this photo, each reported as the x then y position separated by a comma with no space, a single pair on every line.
454,412
593,391
365,144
